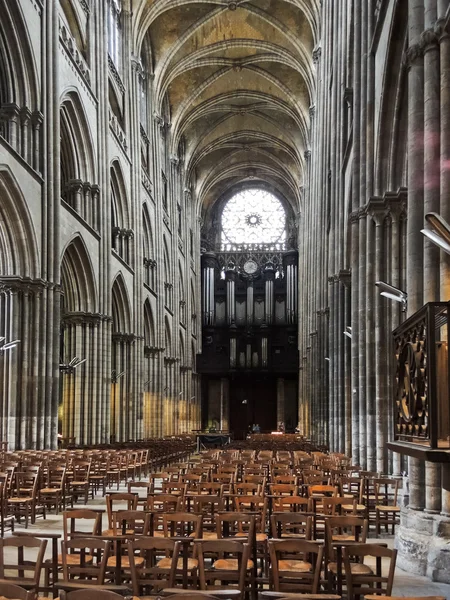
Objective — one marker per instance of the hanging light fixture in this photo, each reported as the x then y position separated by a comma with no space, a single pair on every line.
437,230
393,293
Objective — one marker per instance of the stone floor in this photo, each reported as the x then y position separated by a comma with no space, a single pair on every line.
406,584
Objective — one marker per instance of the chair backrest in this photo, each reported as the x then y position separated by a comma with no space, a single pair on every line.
182,524
72,519
119,498
295,524
28,558
149,576
163,502
247,488
386,491
378,583
222,550
285,555
93,557
283,489
230,524
137,521
290,504
333,506
253,504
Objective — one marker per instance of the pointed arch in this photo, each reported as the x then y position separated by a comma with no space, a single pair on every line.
71,11
149,325
77,148
147,238
121,311
19,254
182,348
18,73
77,278
167,265
168,337
119,196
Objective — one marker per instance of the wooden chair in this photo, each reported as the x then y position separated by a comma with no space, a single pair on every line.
90,567
365,584
15,592
135,487
291,525
25,500
157,567
112,500
343,529
54,491
78,484
208,507
295,565
6,520
386,509
229,563
29,557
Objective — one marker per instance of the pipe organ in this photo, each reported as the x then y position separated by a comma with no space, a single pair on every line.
249,312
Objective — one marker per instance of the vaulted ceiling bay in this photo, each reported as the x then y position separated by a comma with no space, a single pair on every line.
236,80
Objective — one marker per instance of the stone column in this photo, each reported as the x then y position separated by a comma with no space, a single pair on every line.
371,344
414,265
357,454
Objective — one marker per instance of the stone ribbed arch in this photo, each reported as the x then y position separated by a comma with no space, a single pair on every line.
202,57
77,279
310,9
392,128
19,254
18,74
77,148
77,159
242,169
74,17
224,103
122,232
121,308
231,141
148,238
149,326
168,337
187,103
121,213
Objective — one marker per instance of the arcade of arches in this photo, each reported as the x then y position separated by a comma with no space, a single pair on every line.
197,198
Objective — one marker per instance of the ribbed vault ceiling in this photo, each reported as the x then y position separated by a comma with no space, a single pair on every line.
238,76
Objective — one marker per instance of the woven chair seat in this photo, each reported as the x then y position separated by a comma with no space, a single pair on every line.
260,537
118,532
18,500
125,562
356,568
301,566
50,490
383,508
165,563
230,564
